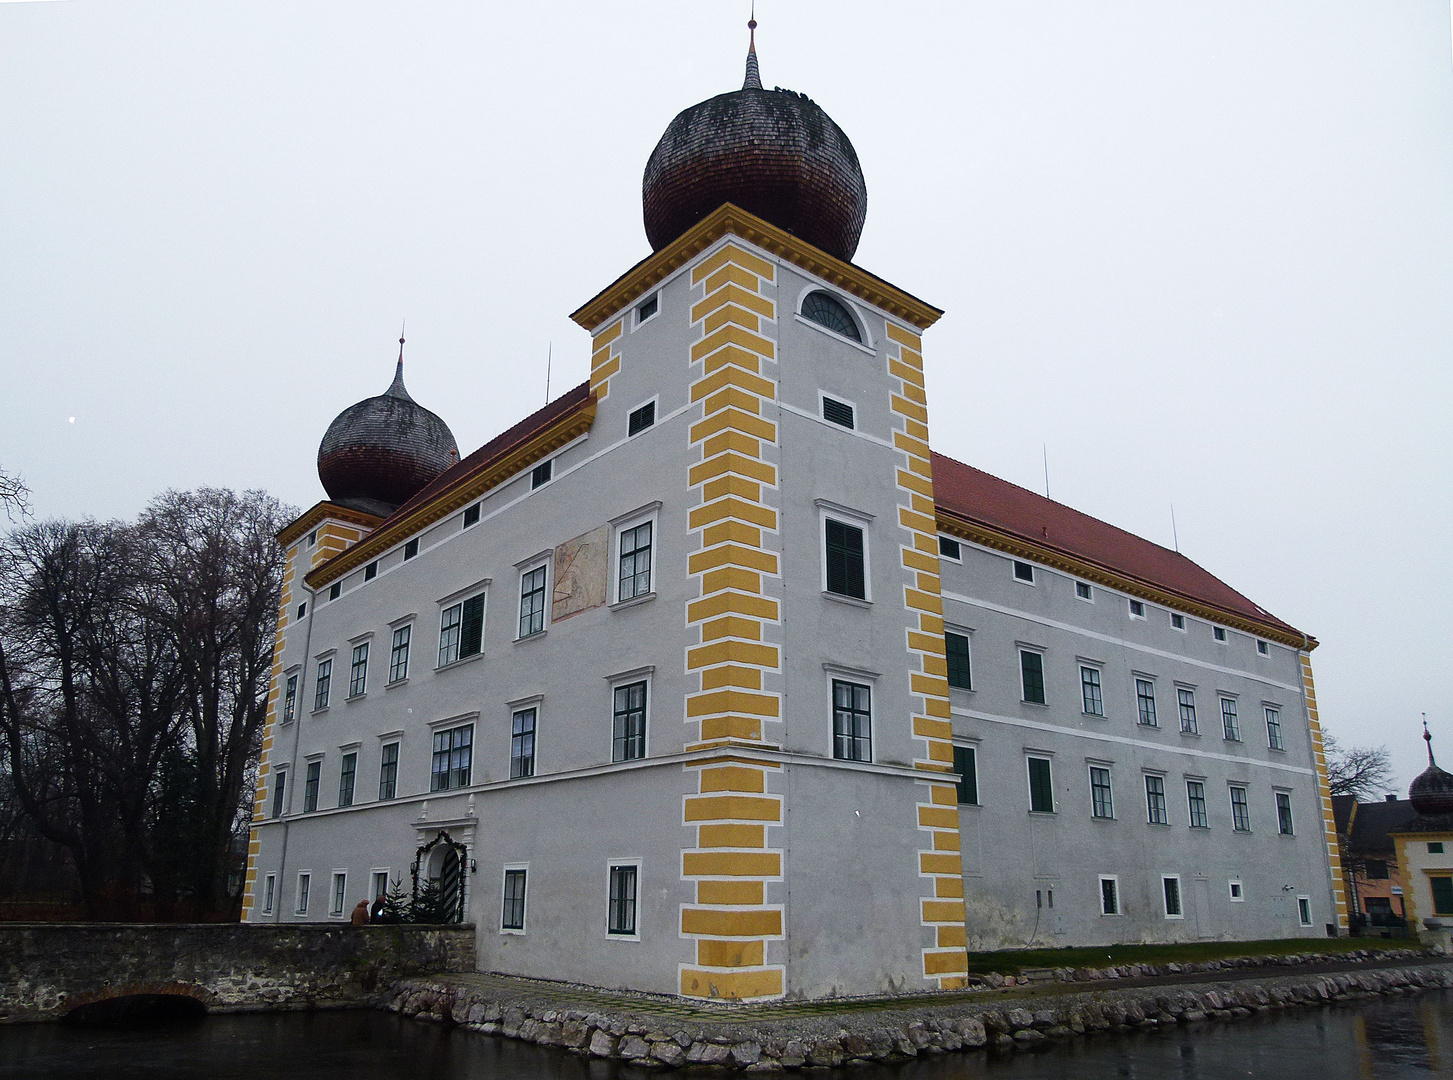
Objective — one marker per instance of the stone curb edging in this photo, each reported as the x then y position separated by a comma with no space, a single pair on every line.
1029,976
781,1045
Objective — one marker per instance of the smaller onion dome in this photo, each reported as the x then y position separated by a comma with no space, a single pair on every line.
379,453
1432,792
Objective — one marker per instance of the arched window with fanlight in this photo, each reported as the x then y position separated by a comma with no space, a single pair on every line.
827,310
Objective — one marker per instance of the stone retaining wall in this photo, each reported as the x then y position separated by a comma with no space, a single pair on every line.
822,1037
47,969
1234,963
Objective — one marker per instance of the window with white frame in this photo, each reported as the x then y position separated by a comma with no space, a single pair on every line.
290,699
323,687
1171,888
398,655
966,764
1273,728
1238,894
279,792
542,474
311,780
340,894
380,884
1219,633
1263,647
305,884
347,775
1177,621
1155,808
960,669
512,918
1024,572
1186,699
846,558
269,890
1145,702
1031,676
532,600
634,561
828,311
1137,609
621,914
1109,894
641,419
1230,725
471,516
648,307
1196,804
1084,591
1304,910
522,742
852,721
1240,809
1284,813
461,630
358,671
949,548
1041,788
1102,804
628,721
388,771
1090,691
453,758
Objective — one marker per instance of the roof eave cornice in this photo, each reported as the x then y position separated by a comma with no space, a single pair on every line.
324,511
479,480
979,532
731,219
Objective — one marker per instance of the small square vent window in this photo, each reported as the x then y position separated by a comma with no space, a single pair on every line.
949,548
541,476
1219,633
411,549
1177,620
837,412
335,591
1137,609
302,610
471,515
312,538
641,418
1023,572
1263,648
370,571
646,309
1083,590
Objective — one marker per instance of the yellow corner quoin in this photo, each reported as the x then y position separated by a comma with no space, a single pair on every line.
1324,794
731,922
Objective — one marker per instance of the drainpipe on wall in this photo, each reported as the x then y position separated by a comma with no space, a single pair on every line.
277,908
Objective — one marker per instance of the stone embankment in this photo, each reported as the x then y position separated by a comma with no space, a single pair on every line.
662,1033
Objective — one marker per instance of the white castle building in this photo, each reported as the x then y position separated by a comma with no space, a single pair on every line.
712,678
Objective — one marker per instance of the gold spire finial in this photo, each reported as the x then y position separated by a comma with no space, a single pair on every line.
753,80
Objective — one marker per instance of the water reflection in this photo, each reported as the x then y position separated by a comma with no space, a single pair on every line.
1390,1040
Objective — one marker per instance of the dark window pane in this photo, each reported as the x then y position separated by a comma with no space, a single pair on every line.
542,473
471,634
845,559
522,744
346,778
647,308
310,786
852,724
829,312
279,790
1031,668
966,766
471,515
370,571
642,418
635,562
1041,792
959,673
411,549
1442,895
628,727
513,917
622,916
388,772
949,548
1023,571
1172,895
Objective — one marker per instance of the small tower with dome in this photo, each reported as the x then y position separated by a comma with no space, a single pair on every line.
1425,851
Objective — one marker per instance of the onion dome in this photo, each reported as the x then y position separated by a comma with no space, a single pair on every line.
1432,792
772,152
379,453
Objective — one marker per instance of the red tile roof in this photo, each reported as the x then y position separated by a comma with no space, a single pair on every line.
976,496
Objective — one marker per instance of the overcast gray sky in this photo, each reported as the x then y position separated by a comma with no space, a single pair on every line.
1202,252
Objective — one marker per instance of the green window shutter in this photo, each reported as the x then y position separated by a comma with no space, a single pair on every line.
1442,895
966,767
471,633
1041,792
959,673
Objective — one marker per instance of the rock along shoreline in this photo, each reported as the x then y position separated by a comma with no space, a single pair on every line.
661,1033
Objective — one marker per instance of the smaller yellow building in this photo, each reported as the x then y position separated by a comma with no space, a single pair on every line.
1425,852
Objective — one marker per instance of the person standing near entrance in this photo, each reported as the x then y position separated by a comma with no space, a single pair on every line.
360,914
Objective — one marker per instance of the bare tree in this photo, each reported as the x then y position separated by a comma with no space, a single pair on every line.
14,496
1361,771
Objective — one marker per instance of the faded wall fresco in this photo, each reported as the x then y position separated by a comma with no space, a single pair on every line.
582,569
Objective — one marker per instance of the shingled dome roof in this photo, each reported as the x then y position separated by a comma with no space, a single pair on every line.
377,454
774,153
1432,792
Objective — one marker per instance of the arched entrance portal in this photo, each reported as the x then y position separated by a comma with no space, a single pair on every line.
438,873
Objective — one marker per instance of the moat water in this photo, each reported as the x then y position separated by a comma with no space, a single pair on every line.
1383,1039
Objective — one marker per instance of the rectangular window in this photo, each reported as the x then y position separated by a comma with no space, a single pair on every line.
541,473
388,772
950,548
1137,609
641,419
1041,791
1109,896
1273,729
290,699
648,307
1102,804
635,561
269,887
1240,810
852,721
532,602
471,515
1031,676
1094,702
1435,847
1083,590
1237,894
335,590
522,743
1230,726
1196,804
311,780
340,894
305,883
967,766
358,671
628,722
1219,633
1177,621
960,673
1155,811
1145,701
513,916
1263,648
279,793
1442,895
1284,813
302,610
1376,870
1187,701
622,916
398,656
1172,889
1023,571
411,549
370,571
325,681
346,777
461,630
380,883
1304,910
837,412
453,755
845,566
